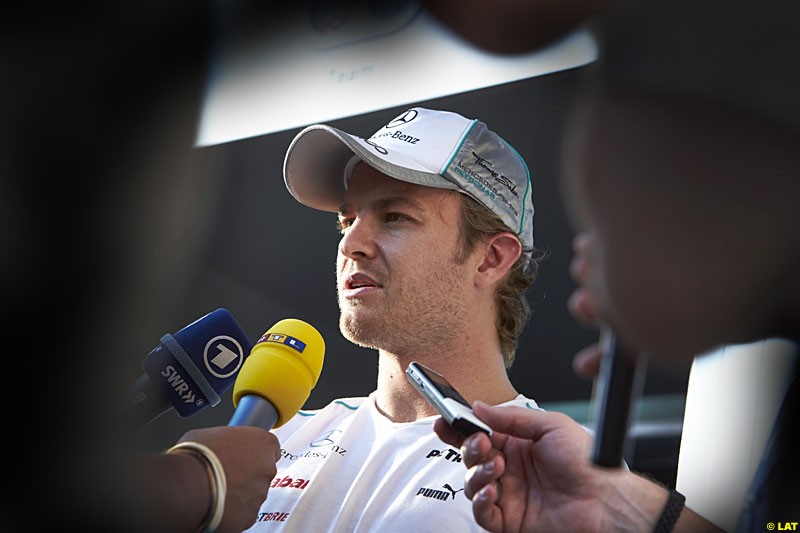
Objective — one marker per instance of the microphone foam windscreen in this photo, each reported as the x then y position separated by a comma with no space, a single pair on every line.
283,367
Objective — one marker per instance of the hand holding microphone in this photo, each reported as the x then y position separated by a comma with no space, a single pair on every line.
185,488
238,460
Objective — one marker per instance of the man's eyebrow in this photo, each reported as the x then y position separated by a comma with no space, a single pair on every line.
387,203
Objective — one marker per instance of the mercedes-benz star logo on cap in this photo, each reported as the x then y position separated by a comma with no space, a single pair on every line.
405,118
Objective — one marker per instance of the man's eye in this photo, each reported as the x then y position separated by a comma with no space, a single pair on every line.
343,223
396,217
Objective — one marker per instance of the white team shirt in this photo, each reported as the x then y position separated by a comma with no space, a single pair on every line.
347,468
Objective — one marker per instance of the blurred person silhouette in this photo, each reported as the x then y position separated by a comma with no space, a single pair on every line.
102,204
681,170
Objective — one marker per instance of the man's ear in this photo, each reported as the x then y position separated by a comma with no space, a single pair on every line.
501,251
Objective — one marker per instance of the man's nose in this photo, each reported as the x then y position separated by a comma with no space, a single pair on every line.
358,240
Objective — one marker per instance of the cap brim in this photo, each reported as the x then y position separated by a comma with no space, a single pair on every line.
314,167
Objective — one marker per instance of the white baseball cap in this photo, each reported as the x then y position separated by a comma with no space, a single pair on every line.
433,148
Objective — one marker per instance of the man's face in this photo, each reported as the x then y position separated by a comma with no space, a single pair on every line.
400,287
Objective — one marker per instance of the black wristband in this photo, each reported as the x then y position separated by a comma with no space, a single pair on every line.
672,510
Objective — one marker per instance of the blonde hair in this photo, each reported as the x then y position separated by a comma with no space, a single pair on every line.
478,223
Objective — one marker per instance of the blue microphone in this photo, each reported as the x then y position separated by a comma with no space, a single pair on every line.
188,370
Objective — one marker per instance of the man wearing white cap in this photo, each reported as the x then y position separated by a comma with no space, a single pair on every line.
436,217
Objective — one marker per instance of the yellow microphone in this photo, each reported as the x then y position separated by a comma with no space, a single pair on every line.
278,376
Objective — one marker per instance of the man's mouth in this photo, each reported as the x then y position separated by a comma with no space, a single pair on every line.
357,281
